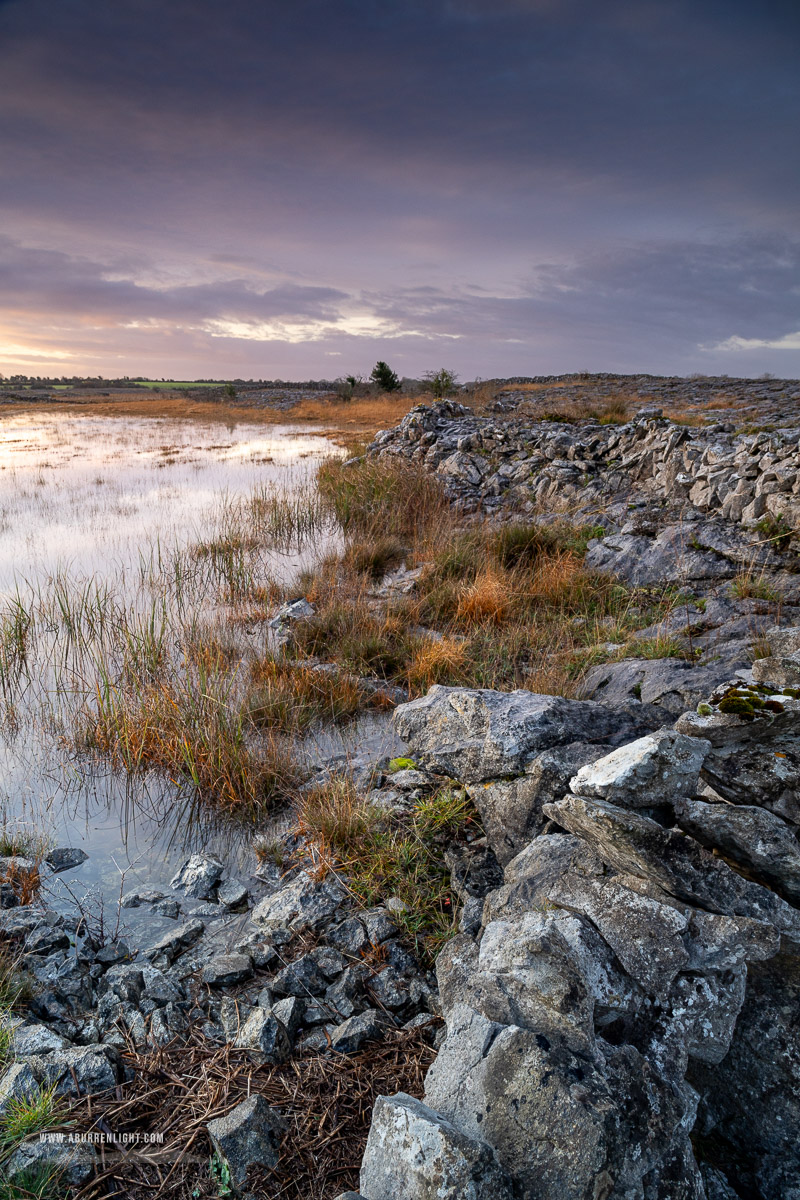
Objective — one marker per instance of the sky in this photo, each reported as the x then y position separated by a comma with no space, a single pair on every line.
258,189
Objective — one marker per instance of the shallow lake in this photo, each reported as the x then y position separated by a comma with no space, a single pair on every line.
90,510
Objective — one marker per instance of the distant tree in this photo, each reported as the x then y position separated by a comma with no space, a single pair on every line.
385,377
442,382
230,391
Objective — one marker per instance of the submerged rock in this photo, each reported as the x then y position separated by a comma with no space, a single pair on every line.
65,858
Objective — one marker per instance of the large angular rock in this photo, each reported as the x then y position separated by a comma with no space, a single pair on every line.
17,1082
673,554
36,1039
511,809
753,760
248,1136
750,1101
645,935
656,769
350,1036
475,734
527,974
757,839
634,844
78,1071
417,1154
224,970
672,684
304,903
564,1125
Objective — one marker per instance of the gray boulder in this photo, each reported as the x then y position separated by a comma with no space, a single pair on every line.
176,942
36,1039
414,1153
637,845
656,769
672,684
757,839
248,1136
17,1082
78,1071
223,970
474,734
511,809
527,974
750,1100
350,1036
560,1122
674,554
231,893
264,1033
198,876
782,666
304,903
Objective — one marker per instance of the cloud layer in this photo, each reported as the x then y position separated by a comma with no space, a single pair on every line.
521,186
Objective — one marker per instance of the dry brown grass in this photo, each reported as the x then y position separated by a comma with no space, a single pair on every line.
347,420
175,1091
612,410
287,696
334,814
193,728
486,599
436,662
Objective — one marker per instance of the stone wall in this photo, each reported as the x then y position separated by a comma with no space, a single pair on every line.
491,463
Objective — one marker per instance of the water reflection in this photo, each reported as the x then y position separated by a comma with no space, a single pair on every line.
95,506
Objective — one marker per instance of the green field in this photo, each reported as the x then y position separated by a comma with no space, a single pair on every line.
175,383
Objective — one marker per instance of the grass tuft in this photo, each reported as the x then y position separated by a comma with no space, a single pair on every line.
394,854
755,585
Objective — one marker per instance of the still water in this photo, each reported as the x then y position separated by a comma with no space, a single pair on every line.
89,508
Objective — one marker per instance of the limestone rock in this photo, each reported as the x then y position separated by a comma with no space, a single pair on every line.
304,903
65,858
563,1125
350,1036
248,1136
475,734
198,876
417,1154
174,943
223,970
656,769
17,1082
754,837
511,809
635,844
263,1032
782,667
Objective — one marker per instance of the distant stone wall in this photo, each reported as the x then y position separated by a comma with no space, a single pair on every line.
491,464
